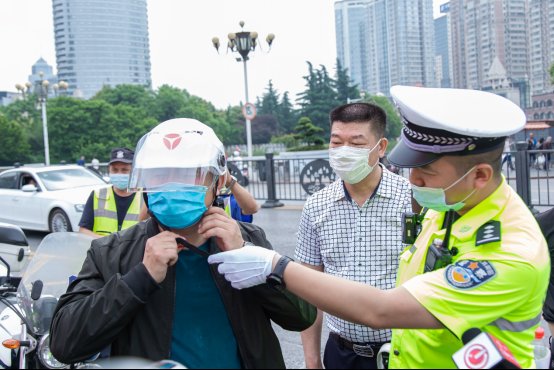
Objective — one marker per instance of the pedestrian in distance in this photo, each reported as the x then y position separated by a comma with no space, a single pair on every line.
81,161
508,154
112,209
480,260
239,204
353,229
95,167
149,292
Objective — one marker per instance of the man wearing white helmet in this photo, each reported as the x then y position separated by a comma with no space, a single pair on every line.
479,262
149,291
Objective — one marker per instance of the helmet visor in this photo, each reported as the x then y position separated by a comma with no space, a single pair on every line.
156,179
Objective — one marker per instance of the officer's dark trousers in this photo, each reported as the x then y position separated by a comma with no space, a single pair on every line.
338,357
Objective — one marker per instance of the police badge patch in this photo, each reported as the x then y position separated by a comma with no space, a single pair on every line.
469,274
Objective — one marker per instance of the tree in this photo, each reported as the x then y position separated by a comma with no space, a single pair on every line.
307,132
286,114
394,123
346,91
552,73
13,144
264,127
319,98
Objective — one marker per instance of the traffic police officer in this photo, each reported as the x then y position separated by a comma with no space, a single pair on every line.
113,209
480,260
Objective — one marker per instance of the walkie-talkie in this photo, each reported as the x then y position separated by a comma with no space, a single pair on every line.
437,256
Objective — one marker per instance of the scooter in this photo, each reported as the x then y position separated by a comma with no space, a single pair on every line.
26,315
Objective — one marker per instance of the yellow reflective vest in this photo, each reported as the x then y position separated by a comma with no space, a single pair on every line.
497,282
105,212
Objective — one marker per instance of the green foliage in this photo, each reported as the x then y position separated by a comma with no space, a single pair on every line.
319,98
394,122
289,140
308,133
119,116
552,73
13,146
346,91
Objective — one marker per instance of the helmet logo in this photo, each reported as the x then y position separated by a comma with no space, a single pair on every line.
172,141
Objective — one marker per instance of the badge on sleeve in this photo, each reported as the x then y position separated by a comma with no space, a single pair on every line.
469,274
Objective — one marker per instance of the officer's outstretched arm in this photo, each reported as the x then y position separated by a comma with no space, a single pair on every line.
359,303
355,302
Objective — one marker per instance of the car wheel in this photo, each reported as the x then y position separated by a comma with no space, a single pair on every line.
59,222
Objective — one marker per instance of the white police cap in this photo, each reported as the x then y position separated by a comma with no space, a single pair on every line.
440,122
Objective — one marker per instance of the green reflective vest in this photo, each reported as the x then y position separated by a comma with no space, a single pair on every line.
497,282
105,212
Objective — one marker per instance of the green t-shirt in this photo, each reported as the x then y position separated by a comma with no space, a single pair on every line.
497,283
202,334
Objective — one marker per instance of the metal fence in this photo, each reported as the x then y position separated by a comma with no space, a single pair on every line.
282,178
276,179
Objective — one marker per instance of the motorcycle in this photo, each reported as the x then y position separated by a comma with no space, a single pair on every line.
26,315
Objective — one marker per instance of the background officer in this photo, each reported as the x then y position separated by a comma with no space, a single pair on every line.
480,260
113,209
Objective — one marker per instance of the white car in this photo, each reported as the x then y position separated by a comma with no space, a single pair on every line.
46,198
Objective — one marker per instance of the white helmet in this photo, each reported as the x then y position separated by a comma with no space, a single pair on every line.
183,151
95,163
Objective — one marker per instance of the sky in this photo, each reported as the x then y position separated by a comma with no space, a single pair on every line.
181,51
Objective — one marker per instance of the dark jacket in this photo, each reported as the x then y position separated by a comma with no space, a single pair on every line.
115,301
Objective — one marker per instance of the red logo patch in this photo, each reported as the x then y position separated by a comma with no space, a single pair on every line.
172,141
476,357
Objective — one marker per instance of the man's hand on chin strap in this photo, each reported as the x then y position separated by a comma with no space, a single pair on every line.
245,267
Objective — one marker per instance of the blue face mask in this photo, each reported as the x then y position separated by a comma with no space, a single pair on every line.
178,206
120,181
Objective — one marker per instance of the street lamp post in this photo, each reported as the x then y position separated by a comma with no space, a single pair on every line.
244,42
41,90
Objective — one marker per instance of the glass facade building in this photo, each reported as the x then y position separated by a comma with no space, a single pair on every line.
443,49
101,42
386,42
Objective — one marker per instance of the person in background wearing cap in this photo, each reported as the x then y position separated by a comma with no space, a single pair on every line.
149,291
480,260
114,208
353,229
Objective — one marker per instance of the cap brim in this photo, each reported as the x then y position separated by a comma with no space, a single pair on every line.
126,161
403,156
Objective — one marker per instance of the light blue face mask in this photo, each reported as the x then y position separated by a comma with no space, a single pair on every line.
178,206
435,199
120,181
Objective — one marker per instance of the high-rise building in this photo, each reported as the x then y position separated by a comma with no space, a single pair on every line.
386,42
101,42
541,35
41,70
443,48
483,30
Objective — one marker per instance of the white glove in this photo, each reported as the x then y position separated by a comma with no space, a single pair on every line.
245,267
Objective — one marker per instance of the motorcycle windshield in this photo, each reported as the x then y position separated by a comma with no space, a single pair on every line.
58,259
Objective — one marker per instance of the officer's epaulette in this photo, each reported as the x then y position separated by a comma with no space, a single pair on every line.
489,233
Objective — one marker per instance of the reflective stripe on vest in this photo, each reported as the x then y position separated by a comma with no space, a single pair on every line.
519,326
105,212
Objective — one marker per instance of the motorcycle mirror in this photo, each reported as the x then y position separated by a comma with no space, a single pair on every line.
21,255
36,291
